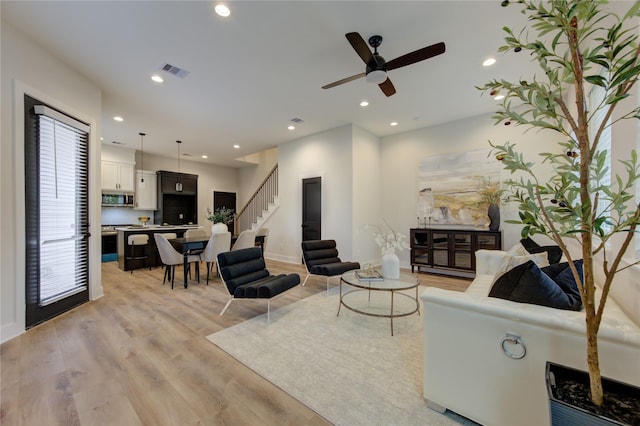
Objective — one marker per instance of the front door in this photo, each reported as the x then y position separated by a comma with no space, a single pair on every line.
311,209
57,212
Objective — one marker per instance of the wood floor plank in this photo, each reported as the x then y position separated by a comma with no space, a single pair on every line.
139,356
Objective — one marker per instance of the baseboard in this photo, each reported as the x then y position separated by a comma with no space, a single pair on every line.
436,407
9,331
282,258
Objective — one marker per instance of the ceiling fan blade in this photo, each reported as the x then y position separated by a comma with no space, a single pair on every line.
387,87
344,80
359,45
416,56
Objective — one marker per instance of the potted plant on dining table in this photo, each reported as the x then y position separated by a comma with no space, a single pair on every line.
220,219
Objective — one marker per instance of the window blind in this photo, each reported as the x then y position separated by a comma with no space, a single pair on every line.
63,205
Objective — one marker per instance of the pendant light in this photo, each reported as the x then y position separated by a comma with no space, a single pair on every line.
179,182
141,184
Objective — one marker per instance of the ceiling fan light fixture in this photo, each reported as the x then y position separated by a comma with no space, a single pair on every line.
376,76
222,10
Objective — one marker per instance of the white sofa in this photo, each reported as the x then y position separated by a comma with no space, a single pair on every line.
466,370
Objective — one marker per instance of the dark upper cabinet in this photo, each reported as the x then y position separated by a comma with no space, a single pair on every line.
177,207
167,183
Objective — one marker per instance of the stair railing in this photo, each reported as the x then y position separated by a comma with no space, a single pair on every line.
259,201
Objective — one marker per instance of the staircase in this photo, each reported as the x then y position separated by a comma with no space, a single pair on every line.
260,206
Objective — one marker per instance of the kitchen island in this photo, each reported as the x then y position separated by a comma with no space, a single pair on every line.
153,257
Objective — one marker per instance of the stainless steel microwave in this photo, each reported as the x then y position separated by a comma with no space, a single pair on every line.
117,200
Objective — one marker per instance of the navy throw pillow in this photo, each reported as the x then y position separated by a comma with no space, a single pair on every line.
554,253
527,283
562,275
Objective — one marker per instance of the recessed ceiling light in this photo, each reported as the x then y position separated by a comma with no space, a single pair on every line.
498,97
118,118
291,127
236,146
205,156
489,62
222,10
101,138
394,123
157,78
364,103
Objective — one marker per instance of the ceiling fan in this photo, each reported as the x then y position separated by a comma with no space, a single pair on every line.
377,67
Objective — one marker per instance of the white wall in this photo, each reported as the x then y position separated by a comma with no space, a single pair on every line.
402,153
366,195
329,156
27,68
366,180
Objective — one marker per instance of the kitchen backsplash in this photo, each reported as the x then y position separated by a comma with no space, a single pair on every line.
122,215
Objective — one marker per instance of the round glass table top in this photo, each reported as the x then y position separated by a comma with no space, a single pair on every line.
406,281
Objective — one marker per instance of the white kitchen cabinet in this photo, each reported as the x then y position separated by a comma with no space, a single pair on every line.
146,196
117,177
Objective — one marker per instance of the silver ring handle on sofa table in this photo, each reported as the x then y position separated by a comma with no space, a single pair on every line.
513,339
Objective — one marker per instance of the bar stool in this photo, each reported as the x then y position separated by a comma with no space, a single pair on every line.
141,241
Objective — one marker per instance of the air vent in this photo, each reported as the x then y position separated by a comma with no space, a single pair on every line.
186,154
117,143
297,120
171,69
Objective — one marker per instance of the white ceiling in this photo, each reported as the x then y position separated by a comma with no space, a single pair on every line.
252,72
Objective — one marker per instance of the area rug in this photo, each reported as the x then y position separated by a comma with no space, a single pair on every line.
347,368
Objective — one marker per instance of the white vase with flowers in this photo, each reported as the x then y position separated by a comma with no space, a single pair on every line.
389,242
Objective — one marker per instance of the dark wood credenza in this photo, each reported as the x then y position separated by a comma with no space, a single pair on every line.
450,251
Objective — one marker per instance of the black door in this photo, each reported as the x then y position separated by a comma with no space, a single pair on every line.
228,200
311,209
57,212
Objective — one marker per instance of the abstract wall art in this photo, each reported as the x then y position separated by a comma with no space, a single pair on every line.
453,188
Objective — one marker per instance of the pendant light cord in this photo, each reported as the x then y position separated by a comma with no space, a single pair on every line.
142,135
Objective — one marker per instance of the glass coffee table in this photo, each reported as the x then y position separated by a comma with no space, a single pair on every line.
356,286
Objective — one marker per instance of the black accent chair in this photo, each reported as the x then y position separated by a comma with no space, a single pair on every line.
245,277
321,259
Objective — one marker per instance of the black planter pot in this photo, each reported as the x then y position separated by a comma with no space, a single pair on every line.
565,386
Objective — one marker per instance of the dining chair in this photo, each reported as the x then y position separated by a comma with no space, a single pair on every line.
196,233
246,239
263,232
193,233
171,257
218,243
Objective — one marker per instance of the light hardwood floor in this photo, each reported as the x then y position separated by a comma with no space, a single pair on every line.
139,356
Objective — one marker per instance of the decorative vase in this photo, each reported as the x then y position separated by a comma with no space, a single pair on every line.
494,217
390,266
218,228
